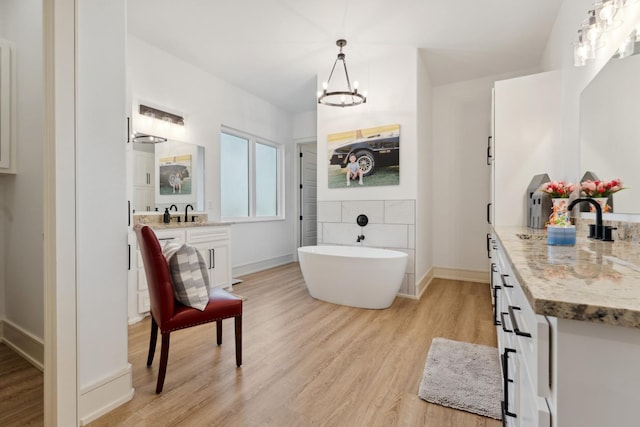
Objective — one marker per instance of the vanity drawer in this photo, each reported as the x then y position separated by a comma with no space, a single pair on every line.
533,340
207,234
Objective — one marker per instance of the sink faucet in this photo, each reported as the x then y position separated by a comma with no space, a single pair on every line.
360,238
173,206
599,234
186,210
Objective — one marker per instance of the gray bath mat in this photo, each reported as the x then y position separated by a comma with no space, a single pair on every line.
463,376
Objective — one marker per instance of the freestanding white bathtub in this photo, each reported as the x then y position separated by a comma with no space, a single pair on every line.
353,275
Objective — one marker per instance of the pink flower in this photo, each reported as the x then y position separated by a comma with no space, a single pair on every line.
601,188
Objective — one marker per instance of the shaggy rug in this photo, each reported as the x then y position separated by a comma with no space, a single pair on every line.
463,376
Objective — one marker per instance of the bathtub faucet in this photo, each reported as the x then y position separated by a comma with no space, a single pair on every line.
360,238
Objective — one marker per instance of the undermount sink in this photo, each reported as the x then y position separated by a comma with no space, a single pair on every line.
523,236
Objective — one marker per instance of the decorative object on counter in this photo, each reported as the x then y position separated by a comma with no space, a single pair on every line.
538,203
166,218
463,376
559,215
344,97
561,235
601,192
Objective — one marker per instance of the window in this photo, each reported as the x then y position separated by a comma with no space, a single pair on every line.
250,177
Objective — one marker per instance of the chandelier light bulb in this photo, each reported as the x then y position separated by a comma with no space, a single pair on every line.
356,84
365,93
319,94
325,85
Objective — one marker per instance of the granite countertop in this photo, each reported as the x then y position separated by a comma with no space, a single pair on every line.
592,281
161,225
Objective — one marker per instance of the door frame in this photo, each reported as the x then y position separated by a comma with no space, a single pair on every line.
298,180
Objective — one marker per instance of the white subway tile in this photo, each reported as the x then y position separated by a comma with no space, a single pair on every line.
373,209
319,233
399,212
329,211
340,234
412,236
385,235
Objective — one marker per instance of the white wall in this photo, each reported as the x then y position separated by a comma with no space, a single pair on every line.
424,238
104,374
460,192
305,126
21,196
207,104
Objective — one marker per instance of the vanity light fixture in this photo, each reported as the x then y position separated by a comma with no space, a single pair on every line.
341,98
605,16
175,119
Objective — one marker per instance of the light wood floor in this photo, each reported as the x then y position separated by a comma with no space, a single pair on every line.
306,362
21,391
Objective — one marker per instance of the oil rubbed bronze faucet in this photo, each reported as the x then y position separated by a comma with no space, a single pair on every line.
599,230
186,212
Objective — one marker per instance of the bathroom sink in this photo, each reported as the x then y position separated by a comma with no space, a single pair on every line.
527,236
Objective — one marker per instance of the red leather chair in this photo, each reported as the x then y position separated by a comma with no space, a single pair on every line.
169,315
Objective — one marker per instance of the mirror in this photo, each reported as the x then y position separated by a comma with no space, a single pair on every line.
167,173
609,130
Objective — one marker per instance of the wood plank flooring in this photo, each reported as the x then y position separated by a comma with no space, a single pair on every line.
306,362
21,391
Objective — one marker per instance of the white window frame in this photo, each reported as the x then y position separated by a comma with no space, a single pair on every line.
253,140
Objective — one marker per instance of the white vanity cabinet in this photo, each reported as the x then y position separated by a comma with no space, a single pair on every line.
579,367
524,346
213,242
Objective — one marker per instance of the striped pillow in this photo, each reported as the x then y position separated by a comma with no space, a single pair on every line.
189,274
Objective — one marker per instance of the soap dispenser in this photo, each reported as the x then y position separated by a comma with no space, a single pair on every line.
167,216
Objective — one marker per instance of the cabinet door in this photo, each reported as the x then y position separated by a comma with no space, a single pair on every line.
207,253
143,199
221,267
143,168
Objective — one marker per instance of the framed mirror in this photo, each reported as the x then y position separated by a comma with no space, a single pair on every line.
609,130
168,173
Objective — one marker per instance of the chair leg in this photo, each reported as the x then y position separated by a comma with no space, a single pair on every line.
238,321
152,341
219,331
164,358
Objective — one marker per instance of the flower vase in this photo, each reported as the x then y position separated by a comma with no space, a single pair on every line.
560,214
602,201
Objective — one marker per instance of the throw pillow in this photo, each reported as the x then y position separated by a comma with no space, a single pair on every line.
189,274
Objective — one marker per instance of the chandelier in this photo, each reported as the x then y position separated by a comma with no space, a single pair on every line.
341,98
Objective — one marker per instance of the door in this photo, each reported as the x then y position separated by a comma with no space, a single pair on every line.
308,194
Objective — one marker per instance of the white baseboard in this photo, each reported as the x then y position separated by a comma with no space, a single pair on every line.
421,286
462,275
27,345
254,267
105,395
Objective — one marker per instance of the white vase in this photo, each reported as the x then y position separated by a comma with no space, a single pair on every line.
560,214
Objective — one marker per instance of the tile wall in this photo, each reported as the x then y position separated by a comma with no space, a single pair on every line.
391,226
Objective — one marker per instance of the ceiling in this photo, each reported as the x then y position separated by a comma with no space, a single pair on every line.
274,48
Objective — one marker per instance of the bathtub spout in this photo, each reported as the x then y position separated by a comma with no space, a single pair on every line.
360,238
